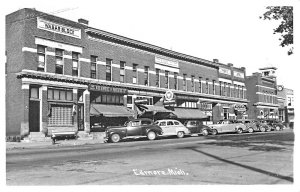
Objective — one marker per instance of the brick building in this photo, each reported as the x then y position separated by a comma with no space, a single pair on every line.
65,75
262,94
286,105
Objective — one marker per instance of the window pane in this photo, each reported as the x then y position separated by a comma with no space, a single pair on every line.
56,94
62,95
59,60
108,98
69,95
104,98
122,79
34,93
58,52
129,100
75,55
42,58
41,49
121,99
134,80
75,64
50,94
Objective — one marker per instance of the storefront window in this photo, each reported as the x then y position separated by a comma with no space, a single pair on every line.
34,92
57,94
41,51
108,69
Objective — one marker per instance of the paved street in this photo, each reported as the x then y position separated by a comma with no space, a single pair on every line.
258,158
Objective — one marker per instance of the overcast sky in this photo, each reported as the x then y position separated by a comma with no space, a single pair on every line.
230,30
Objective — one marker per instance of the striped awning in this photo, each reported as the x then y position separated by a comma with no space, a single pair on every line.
110,111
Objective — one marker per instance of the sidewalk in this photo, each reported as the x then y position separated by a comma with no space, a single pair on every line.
48,144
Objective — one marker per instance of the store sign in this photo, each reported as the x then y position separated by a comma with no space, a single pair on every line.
169,98
141,101
107,89
225,71
238,74
58,28
167,62
240,108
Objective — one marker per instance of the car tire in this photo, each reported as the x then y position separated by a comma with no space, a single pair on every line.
277,128
239,130
180,134
250,130
204,132
214,132
151,135
115,138
262,129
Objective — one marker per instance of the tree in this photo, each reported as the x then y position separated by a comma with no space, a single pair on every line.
285,14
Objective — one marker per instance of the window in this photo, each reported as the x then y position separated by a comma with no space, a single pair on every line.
175,81
134,73
60,94
226,113
157,77
225,86
200,85
59,65
108,69
238,91
75,62
163,123
234,91
229,90
176,122
242,92
41,51
207,87
122,71
61,116
221,89
193,83
93,66
214,87
129,99
34,93
184,82
146,76
167,79
170,123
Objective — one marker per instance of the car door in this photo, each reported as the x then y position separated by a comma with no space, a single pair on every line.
193,127
227,126
163,125
171,128
134,128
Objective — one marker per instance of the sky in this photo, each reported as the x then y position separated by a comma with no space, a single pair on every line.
228,30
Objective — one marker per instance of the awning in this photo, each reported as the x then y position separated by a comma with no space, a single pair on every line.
153,108
183,113
110,111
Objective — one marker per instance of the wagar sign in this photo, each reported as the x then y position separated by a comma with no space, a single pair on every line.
240,108
58,28
169,98
107,89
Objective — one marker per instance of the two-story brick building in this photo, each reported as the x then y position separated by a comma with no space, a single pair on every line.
262,94
286,105
65,75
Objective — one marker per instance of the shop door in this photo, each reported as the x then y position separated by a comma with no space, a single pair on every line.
34,116
80,117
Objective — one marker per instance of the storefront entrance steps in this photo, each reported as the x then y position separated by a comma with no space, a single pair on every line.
37,136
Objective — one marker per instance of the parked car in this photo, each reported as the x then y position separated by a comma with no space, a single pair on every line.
172,127
197,127
263,126
133,128
251,125
226,126
98,127
275,125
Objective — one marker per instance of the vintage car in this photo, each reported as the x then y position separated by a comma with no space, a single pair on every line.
197,127
227,126
263,125
172,127
133,128
251,125
275,125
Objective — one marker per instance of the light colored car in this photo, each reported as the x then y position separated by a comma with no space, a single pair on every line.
226,126
172,127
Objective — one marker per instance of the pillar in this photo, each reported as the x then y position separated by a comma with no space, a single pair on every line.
75,114
25,118
44,109
216,112
86,101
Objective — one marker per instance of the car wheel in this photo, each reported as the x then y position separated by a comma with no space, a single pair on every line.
277,128
214,132
180,134
262,129
151,135
115,138
239,131
204,132
250,130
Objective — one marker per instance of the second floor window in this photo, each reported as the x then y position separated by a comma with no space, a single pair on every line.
221,88
225,85
193,83
207,87
238,91
108,69
229,90
167,79
59,64
175,81
242,92
146,76
200,85
93,66
75,61
214,87
184,82
157,77
41,51
122,71
134,73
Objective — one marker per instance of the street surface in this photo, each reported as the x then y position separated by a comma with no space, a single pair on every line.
257,158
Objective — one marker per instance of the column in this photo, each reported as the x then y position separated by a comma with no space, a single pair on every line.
216,112
44,109
25,118
75,104
86,101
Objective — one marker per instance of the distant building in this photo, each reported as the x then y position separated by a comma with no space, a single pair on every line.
286,102
262,94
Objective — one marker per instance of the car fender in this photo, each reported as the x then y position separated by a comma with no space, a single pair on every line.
185,130
122,133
